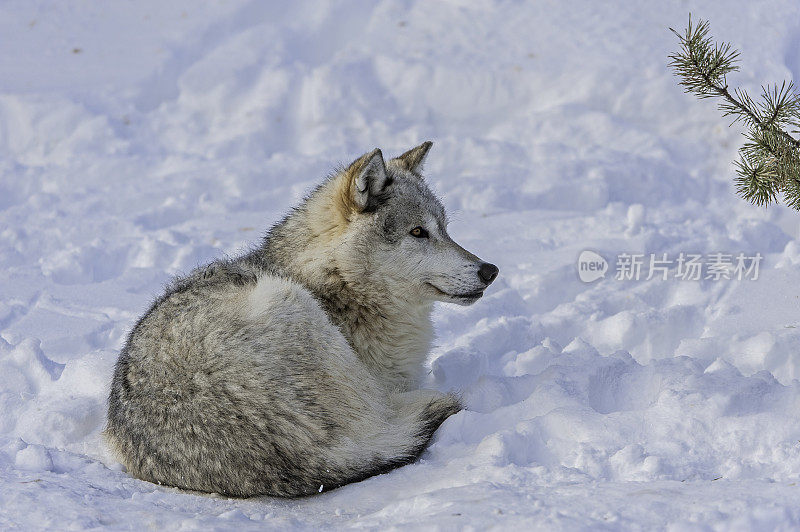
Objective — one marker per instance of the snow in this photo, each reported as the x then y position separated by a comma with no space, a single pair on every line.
138,140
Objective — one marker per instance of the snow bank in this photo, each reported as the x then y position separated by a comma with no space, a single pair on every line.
139,140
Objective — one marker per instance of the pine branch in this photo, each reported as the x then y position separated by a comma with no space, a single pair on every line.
769,162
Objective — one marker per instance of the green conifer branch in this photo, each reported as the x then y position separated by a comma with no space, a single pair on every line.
769,163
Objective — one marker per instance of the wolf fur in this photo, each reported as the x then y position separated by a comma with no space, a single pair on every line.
296,367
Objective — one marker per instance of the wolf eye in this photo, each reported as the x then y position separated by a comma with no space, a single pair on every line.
419,232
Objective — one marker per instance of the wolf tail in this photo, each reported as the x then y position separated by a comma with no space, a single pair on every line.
417,416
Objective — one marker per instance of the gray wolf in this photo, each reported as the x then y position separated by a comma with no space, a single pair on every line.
296,367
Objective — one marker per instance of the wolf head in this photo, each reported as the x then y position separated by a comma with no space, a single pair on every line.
387,231
378,228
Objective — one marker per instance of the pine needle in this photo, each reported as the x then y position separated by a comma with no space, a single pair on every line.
769,164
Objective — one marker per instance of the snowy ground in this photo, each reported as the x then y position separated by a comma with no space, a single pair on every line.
140,139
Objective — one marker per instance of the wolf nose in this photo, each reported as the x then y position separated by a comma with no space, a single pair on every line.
488,272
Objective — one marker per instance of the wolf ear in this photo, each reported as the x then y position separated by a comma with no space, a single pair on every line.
368,179
413,159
